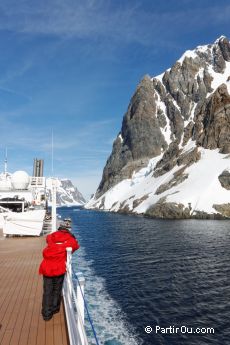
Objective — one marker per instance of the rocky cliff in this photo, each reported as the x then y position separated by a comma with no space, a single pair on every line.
174,124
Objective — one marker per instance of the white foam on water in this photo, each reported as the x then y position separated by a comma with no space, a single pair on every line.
108,318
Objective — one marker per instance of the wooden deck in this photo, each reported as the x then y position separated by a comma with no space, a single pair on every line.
21,322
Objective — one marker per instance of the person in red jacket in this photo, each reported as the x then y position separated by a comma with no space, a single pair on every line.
53,268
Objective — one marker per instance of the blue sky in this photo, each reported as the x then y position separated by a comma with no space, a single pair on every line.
72,66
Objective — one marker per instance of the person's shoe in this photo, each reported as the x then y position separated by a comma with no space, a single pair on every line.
47,318
56,311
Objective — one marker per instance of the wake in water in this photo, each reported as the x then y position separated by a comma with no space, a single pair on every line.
151,272
108,319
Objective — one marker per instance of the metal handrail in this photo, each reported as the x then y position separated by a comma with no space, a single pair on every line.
73,302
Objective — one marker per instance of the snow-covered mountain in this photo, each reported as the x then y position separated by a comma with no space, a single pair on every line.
171,158
67,193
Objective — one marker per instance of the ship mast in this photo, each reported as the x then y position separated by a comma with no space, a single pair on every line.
52,153
54,190
5,163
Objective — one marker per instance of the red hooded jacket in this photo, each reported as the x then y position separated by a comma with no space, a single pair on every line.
54,254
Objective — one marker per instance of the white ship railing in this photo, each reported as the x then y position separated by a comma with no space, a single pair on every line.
74,304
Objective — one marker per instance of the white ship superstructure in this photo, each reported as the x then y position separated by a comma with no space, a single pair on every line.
22,202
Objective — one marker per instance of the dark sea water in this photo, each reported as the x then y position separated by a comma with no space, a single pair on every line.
142,272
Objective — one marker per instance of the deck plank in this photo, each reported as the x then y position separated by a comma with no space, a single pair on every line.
6,338
41,335
65,339
57,330
8,289
10,315
20,312
49,329
21,296
29,302
33,331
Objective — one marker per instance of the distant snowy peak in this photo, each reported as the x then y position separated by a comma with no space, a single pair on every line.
67,193
171,123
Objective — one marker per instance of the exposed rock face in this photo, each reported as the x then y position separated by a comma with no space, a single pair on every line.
224,209
188,158
173,157
225,48
224,179
168,210
140,138
139,201
206,215
182,84
188,130
168,161
212,123
178,178
173,116
140,128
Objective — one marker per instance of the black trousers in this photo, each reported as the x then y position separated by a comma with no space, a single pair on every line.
52,288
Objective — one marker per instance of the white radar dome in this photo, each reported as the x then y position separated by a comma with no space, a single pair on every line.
20,180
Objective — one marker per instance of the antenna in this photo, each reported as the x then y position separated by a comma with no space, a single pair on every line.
54,189
5,163
52,153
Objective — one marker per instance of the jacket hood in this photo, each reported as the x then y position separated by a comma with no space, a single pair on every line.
60,236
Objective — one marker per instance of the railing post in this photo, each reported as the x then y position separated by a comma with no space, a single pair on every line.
69,273
69,261
80,294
